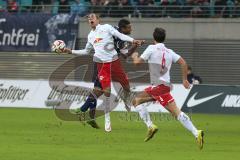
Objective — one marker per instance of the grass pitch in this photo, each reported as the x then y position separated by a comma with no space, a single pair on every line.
36,134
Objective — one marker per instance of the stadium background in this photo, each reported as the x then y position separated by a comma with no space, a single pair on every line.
210,45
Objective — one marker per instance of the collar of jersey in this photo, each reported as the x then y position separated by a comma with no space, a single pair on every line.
161,44
97,27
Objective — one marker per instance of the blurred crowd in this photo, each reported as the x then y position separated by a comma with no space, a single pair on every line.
132,8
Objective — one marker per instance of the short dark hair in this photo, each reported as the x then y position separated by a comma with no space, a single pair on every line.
159,35
123,23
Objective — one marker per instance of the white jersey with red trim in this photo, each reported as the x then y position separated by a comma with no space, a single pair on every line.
101,40
160,60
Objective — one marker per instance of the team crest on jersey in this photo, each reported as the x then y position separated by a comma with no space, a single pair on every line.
97,40
101,78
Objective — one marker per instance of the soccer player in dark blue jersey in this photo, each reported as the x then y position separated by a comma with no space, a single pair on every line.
124,26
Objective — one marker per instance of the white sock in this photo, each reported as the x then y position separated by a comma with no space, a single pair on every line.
187,123
107,109
107,118
144,114
106,104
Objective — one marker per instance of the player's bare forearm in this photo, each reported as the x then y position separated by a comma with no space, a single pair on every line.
183,66
130,52
136,59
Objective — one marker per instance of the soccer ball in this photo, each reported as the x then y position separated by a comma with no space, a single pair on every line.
58,46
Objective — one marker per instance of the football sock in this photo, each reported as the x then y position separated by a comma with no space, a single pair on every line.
91,103
144,114
92,113
107,108
106,103
107,117
187,123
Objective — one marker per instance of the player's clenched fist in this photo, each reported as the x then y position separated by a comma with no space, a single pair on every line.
67,51
138,42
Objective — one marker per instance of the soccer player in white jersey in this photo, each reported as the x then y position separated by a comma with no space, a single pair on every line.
125,27
109,67
160,59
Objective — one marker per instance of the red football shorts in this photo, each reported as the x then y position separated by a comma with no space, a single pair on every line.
111,71
160,93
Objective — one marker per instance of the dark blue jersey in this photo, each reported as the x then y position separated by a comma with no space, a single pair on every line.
120,45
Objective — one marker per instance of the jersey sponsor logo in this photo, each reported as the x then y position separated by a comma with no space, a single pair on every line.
194,102
109,47
97,40
101,78
231,101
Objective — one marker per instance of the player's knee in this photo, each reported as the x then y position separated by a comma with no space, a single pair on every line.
135,102
107,92
174,115
173,109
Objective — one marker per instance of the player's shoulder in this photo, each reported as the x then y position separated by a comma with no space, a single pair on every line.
170,51
151,47
90,34
173,54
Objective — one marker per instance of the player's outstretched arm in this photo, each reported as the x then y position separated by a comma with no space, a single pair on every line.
124,37
77,52
132,49
125,53
121,36
138,42
84,51
183,66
